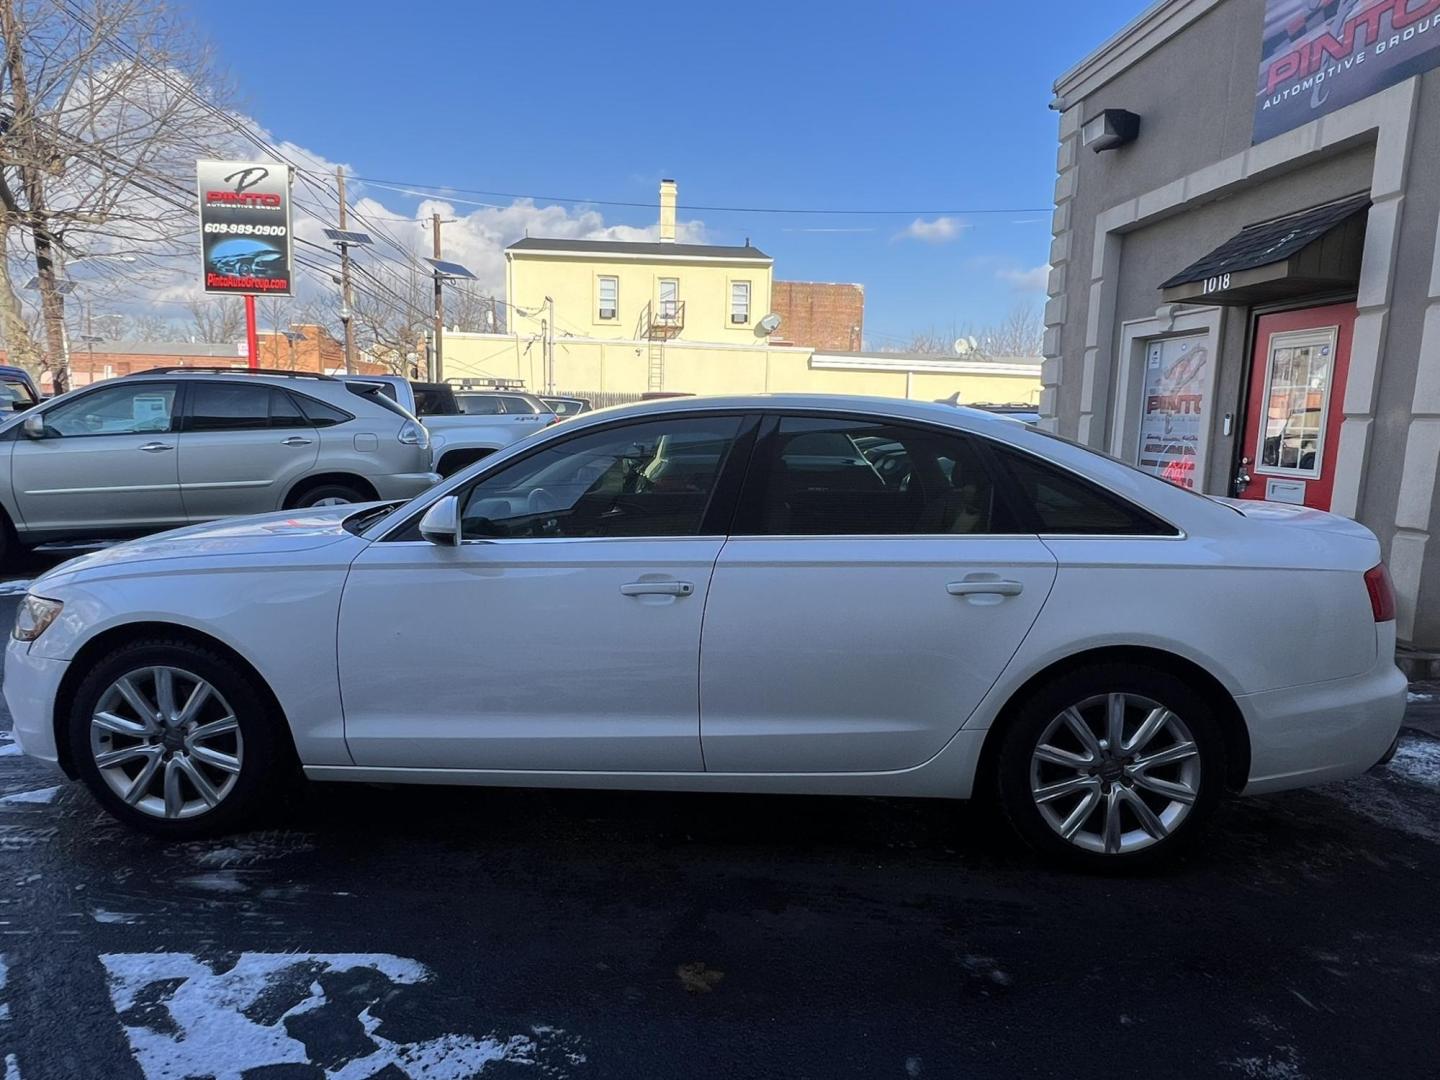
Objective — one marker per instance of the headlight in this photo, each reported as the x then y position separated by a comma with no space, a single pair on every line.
34,615
412,434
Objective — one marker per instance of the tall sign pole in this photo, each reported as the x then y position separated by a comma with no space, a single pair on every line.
245,235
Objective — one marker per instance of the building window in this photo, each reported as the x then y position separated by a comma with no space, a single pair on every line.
669,299
609,293
740,302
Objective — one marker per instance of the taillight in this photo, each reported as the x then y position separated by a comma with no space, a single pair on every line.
1382,593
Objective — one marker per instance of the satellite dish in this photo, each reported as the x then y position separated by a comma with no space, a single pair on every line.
769,324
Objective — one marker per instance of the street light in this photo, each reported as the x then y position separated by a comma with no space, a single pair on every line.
63,288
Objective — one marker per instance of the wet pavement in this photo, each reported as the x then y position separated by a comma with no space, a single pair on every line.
380,933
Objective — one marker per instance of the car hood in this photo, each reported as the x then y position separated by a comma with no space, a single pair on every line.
264,534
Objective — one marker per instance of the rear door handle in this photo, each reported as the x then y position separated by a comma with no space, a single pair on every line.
156,447
296,440
657,588
985,588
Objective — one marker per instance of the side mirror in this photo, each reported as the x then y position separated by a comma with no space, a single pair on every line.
441,523
34,427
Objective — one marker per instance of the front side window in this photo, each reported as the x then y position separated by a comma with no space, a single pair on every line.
740,302
480,404
858,478
651,479
608,291
133,409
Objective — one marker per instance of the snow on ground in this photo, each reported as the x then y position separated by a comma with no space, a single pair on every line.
1386,796
178,1011
41,795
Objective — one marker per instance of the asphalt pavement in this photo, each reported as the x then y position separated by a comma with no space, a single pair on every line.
380,933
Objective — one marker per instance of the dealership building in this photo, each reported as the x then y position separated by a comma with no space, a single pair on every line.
1245,284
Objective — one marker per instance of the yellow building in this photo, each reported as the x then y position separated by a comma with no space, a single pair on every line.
614,320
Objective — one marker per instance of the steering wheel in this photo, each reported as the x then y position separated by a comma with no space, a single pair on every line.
538,501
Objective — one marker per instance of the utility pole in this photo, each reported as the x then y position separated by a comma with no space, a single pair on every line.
550,346
346,312
438,355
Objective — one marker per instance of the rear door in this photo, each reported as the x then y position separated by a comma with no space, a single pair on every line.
874,589
243,445
107,462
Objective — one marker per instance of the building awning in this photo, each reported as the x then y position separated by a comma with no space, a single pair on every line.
1314,251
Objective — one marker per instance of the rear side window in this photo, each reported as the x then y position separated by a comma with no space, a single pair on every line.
376,394
216,406
321,414
835,477
1066,505
434,400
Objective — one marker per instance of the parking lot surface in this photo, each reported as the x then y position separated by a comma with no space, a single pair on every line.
382,933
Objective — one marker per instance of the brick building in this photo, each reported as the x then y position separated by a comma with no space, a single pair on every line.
315,351
819,314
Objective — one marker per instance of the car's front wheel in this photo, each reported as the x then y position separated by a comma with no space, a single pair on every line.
176,739
1112,766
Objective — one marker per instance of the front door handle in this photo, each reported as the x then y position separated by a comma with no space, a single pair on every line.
156,447
657,588
296,440
985,588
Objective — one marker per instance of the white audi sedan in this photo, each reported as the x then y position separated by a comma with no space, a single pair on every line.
765,594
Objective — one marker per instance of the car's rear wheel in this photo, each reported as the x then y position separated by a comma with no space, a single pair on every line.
1112,766
176,739
330,494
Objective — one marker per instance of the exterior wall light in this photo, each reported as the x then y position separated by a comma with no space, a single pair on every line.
1111,129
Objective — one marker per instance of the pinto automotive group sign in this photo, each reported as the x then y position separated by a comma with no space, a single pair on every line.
1321,55
245,227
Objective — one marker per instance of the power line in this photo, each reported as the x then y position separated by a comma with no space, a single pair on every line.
424,190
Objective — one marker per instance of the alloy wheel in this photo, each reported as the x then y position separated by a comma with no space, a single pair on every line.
166,742
1115,773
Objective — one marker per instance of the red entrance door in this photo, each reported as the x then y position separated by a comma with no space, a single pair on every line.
1297,389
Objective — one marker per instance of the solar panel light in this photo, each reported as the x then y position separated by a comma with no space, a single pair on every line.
63,286
450,269
348,236
1113,128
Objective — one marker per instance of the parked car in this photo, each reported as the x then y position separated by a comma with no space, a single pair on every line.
18,391
1002,614
1015,410
566,407
178,445
464,425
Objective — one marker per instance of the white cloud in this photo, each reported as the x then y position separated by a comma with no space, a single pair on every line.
939,231
1036,279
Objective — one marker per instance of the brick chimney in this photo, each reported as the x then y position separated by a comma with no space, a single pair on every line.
668,195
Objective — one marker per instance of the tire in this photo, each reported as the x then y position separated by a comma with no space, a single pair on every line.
1180,791
329,494
245,766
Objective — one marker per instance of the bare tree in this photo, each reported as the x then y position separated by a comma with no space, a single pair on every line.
106,106
473,311
1020,333
150,327
217,318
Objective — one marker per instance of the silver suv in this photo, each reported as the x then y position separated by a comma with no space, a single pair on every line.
176,446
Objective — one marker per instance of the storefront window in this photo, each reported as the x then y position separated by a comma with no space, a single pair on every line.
1174,418
1297,397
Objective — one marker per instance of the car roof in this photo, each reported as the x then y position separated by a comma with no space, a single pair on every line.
895,407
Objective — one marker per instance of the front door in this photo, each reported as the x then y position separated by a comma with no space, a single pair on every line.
1296,398
874,591
106,464
563,633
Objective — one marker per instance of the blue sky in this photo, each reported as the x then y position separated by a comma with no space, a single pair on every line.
926,107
